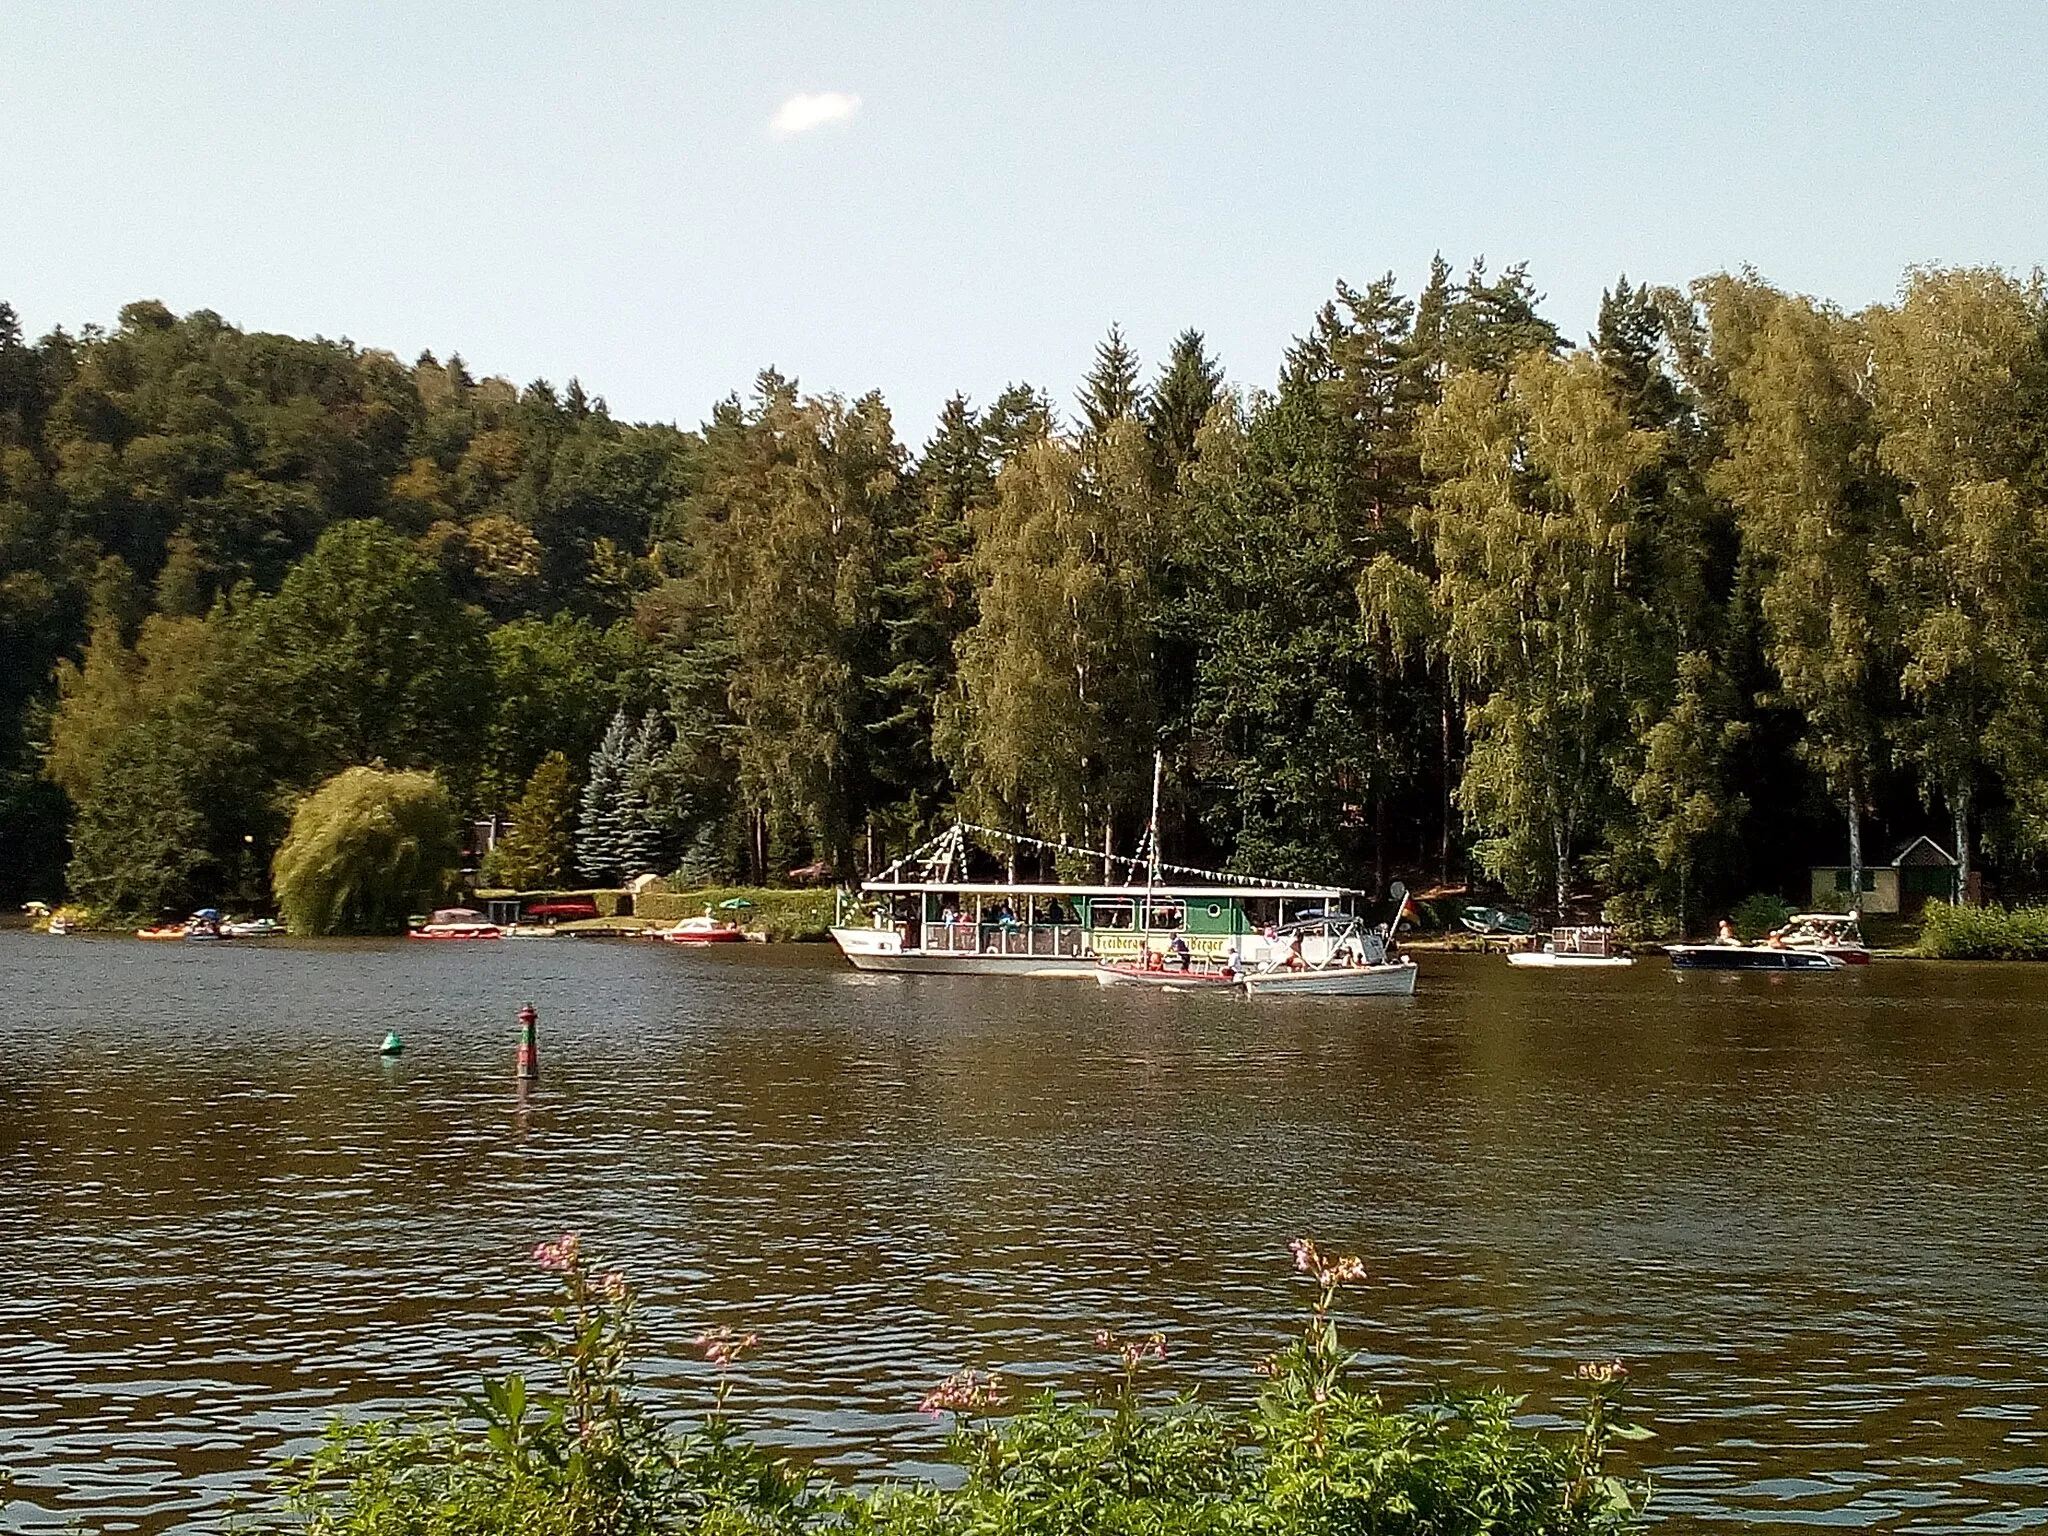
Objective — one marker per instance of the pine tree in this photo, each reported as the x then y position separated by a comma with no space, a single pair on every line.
599,833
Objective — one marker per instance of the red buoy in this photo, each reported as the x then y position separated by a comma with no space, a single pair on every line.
528,1068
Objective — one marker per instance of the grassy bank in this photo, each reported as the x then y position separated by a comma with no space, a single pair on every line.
783,915
1315,1450
1989,932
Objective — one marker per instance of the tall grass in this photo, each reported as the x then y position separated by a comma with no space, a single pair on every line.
1989,932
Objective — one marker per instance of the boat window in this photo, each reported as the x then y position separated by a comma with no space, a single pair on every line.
1215,909
1112,914
1166,917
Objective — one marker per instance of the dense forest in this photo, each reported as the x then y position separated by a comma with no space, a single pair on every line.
1740,583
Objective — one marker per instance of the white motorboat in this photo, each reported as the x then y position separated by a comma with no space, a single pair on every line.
1573,949
1331,956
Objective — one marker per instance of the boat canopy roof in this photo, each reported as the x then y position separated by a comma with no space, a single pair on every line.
942,865
1105,892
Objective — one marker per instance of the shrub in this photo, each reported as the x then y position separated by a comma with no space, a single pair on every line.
1759,914
1983,933
366,849
784,915
1317,1452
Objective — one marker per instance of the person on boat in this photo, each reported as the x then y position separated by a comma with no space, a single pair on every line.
1726,934
949,914
1775,939
1182,956
1054,913
1154,961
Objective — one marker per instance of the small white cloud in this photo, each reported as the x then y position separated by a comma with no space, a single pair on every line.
800,114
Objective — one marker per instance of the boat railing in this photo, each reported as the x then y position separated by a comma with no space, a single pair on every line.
1052,939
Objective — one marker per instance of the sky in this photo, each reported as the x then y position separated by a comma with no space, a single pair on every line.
923,199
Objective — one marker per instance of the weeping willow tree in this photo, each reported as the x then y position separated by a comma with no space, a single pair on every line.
366,848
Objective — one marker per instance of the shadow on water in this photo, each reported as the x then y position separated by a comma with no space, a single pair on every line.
1804,1208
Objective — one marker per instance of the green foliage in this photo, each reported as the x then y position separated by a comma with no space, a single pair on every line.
366,849
783,915
365,656
1758,914
1990,932
536,853
1317,1452
140,843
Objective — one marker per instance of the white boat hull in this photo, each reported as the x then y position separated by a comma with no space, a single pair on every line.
1541,960
881,949
1395,979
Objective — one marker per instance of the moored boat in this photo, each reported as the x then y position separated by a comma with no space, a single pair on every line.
1573,949
701,930
458,923
252,928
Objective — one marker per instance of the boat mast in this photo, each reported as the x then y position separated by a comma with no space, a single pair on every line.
1152,836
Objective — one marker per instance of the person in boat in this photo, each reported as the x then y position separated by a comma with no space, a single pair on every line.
1054,912
1726,933
1775,939
1182,956
949,914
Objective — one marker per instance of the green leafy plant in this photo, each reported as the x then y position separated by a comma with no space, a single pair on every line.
1316,1452
1759,914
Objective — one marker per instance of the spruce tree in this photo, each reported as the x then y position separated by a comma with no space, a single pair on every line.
1111,392
642,844
1188,388
598,830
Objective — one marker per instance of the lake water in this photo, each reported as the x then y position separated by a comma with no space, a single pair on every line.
1807,1210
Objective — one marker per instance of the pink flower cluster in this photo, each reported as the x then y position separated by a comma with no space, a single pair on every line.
561,1257
614,1287
964,1392
1344,1269
723,1348
1134,1351
1603,1372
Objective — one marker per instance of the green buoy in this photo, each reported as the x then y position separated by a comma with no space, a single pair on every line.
392,1045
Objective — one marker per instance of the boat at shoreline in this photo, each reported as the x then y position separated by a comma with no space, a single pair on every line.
700,930
457,923
1573,949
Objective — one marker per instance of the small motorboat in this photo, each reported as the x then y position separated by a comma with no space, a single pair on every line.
1832,933
203,926
1749,957
1573,948
162,931
252,928
458,923
1331,957
1496,920
533,931
1152,969
701,930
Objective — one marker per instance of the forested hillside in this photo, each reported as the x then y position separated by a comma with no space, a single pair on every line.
1740,582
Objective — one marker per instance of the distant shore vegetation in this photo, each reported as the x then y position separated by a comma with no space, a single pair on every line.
1739,583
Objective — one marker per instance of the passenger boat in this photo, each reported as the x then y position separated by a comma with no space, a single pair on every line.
1832,933
949,908
1749,957
1332,956
1573,948
701,930
458,923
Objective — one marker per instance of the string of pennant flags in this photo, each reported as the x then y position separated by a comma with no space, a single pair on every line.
948,846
